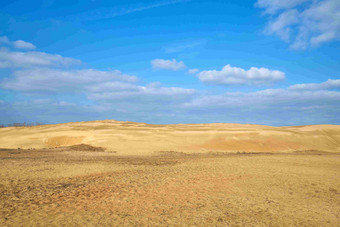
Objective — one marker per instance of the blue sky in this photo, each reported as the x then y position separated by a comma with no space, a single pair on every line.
170,61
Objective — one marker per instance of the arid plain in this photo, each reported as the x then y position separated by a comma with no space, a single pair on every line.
105,173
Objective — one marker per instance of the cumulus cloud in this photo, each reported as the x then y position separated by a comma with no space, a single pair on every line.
20,44
53,80
234,75
329,84
11,59
303,23
168,64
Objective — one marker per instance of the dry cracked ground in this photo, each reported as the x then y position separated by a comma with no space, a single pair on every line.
73,187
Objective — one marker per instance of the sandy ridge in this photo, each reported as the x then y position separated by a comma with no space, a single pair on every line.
141,139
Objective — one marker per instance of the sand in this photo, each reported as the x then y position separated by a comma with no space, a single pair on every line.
111,173
129,138
60,187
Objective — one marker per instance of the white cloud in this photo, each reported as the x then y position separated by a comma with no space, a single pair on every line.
303,23
153,103
36,73
114,91
96,85
117,95
167,64
193,71
20,44
325,37
234,75
329,84
116,86
299,94
268,97
313,105
281,26
272,6
154,84
271,107
10,59
52,80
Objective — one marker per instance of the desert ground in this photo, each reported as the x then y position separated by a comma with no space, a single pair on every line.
111,173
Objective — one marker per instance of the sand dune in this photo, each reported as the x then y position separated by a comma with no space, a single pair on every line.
129,138
80,185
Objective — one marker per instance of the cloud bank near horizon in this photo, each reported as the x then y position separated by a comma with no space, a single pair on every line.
47,81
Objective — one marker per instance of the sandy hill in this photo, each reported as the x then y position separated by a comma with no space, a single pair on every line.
140,138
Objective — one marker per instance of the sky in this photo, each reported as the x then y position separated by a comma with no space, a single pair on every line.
269,62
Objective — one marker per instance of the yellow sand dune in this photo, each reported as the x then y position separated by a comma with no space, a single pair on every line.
141,139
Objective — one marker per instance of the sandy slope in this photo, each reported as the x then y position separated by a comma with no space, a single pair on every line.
140,138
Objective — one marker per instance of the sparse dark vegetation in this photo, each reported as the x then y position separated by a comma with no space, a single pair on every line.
85,147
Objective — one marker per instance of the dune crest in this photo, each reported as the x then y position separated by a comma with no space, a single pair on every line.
132,138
